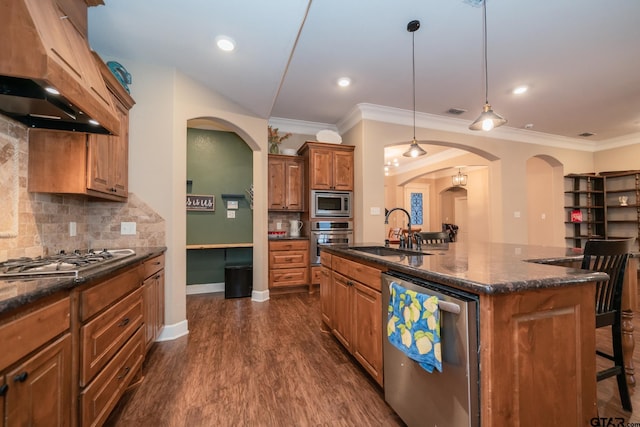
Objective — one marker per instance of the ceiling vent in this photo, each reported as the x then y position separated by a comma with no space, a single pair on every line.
586,134
456,111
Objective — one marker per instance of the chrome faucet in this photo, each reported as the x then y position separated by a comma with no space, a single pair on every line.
403,243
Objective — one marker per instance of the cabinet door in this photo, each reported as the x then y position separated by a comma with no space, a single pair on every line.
4,388
277,184
326,302
342,309
120,153
367,329
40,388
343,170
150,312
98,162
294,177
321,165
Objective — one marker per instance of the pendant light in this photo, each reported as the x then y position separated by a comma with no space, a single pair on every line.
459,180
414,149
488,119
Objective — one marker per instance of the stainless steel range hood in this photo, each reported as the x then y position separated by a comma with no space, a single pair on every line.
48,75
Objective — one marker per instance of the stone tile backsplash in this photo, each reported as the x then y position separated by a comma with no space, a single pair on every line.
42,225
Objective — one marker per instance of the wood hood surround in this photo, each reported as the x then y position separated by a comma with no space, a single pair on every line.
45,43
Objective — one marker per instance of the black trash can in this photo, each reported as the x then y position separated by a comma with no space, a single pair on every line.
238,281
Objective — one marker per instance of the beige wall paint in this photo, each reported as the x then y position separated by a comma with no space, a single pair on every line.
506,174
166,100
619,159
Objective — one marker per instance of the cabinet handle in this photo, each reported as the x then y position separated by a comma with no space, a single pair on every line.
21,377
349,283
124,322
156,263
124,374
157,277
3,389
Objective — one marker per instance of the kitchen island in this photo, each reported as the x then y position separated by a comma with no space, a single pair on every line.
536,322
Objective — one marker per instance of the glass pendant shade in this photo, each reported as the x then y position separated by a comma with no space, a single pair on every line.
487,120
459,180
414,150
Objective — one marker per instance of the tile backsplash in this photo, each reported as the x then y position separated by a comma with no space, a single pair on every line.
36,224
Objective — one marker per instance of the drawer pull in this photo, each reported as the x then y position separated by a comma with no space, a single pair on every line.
156,263
156,277
21,377
3,389
124,322
124,374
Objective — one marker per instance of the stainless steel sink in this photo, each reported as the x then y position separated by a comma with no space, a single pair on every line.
385,251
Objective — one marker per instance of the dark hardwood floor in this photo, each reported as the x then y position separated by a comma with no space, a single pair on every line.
253,364
270,364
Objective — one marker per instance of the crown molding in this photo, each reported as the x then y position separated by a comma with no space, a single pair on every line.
300,126
380,113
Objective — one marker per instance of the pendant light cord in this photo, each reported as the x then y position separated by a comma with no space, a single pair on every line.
413,64
486,67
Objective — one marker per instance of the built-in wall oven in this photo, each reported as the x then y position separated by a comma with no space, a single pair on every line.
447,398
329,232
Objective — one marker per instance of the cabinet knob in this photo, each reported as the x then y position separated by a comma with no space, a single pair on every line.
124,322
3,389
124,374
21,377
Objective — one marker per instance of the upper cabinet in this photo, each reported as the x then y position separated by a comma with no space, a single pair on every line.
286,181
79,163
330,166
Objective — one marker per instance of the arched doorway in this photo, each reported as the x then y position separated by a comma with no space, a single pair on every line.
545,223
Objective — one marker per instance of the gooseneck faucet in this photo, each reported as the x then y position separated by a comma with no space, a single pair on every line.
403,243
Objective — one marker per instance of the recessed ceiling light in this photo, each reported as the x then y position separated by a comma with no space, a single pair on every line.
520,90
344,81
225,43
528,126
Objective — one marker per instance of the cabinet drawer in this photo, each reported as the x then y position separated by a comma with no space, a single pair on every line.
325,258
100,296
288,277
362,273
102,337
25,334
289,245
315,274
288,259
153,265
97,400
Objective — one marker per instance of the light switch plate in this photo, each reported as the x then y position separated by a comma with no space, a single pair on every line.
232,204
375,211
231,214
127,228
73,228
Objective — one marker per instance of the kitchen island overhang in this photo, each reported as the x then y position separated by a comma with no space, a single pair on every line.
536,325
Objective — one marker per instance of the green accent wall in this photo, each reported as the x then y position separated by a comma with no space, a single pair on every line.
218,163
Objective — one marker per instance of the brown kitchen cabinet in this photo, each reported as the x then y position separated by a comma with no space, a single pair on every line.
77,163
153,287
330,166
326,289
112,342
288,263
355,312
35,372
286,183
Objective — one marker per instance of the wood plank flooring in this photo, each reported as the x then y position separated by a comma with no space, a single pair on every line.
270,364
253,364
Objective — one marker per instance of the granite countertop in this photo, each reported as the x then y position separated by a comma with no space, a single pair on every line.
15,293
484,268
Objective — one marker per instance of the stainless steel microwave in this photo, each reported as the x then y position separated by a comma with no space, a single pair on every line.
331,204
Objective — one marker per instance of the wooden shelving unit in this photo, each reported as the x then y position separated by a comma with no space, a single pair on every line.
623,219
584,193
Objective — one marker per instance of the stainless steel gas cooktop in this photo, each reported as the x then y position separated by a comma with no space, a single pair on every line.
61,264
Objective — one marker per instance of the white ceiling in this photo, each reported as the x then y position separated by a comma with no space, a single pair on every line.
581,59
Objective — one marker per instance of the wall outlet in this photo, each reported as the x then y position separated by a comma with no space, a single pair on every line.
73,228
278,226
128,228
231,214
375,211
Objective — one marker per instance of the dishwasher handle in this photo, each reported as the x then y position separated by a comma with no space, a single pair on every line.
449,307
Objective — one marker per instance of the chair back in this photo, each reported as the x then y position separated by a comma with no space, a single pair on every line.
608,256
434,238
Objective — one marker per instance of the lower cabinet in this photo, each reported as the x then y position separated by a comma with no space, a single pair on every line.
38,390
153,288
288,263
326,288
35,367
351,303
111,318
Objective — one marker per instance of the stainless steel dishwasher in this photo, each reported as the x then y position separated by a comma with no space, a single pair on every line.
438,399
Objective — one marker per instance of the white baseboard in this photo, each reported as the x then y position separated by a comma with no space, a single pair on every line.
171,332
205,288
260,296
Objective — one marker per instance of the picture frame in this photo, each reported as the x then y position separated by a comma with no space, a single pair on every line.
201,202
